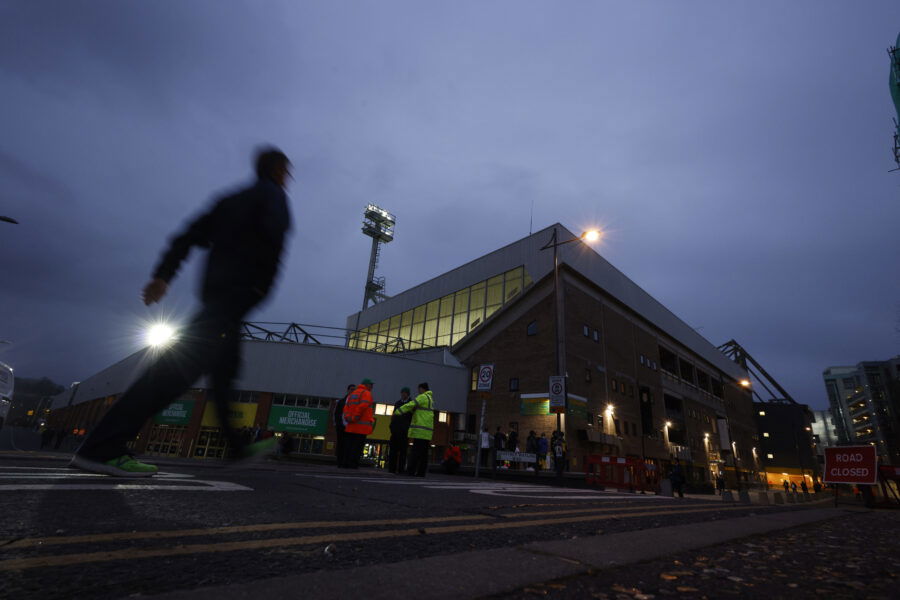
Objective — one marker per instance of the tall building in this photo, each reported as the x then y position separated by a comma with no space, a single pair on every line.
641,382
865,404
786,442
824,433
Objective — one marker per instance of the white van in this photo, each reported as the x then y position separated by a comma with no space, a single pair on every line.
7,381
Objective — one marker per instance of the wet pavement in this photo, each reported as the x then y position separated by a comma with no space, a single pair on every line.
854,556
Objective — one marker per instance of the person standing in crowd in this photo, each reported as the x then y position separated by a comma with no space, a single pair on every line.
794,487
531,448
420,429
676,476
399,435
804,488
817,487
340,438
245,234
720,484
359,421
485,447
499,440
452,459
559,453
787,486
543,447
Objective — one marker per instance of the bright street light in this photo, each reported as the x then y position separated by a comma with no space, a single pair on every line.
160,334
592,235
745,383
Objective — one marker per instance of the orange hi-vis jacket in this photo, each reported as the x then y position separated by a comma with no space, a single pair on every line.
359,411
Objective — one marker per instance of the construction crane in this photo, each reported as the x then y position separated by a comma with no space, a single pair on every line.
736,352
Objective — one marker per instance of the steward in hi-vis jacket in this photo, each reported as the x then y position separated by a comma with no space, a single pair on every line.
420,430
359,416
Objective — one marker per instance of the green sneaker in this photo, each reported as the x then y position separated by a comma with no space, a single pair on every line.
124,466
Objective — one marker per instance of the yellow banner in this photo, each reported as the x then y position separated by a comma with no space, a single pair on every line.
240,414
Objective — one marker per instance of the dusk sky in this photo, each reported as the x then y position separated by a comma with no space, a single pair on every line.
737,158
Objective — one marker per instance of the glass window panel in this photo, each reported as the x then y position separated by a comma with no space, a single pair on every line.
419,314
447,305
476,317
456,337
443,340
430,329
528,280
444,325
395,322
432,310
416,332
513,275
512,289
476,299
496,280
404,333
495,294
461,301
406,318
394,333
460,323
491,310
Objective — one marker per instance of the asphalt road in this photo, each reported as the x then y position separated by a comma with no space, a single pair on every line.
67,534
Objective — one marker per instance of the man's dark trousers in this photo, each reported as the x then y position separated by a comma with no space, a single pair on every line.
418,458
209,345
397,458
340,445
353,447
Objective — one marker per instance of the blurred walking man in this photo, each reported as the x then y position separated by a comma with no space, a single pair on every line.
245,234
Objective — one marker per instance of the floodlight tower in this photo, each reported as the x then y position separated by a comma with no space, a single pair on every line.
378,224
894,53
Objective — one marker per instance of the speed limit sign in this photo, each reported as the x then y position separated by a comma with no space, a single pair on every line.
557,394
485,377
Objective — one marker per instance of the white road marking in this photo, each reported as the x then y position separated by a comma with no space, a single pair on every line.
160,481
492,488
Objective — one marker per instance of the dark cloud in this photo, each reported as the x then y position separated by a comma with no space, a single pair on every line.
737,157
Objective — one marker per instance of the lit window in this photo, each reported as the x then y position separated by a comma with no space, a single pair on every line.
765,435
770,456
586,330
381,409
531,329
596,336
442,417
762,413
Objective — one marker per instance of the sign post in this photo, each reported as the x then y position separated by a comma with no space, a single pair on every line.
557,394
853,465
485,381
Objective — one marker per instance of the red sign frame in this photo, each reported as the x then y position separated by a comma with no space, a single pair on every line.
857,465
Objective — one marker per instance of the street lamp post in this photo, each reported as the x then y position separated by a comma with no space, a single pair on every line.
558,309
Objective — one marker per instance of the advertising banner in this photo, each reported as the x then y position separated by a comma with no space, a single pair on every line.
240,414
297,419
177,413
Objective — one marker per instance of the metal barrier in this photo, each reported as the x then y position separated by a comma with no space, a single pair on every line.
632,474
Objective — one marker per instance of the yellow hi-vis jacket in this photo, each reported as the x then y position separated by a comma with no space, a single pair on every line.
422,408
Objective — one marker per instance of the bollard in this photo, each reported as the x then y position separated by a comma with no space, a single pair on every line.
763,498
744,496
778,498
727,496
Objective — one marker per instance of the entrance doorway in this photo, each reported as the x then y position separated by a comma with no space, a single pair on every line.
211,443
165,440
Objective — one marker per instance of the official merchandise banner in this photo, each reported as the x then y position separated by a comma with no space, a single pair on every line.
240,414
292,419
177,413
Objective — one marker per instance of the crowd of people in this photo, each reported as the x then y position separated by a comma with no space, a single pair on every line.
549,453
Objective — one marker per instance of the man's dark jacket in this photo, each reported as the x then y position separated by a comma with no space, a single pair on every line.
400,424
245,234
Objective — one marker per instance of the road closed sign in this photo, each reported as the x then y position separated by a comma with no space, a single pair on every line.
851,464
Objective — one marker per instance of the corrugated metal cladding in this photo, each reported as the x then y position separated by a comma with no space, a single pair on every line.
327,370
311,370
539,263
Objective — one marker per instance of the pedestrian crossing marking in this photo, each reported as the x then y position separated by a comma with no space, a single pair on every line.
57,479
